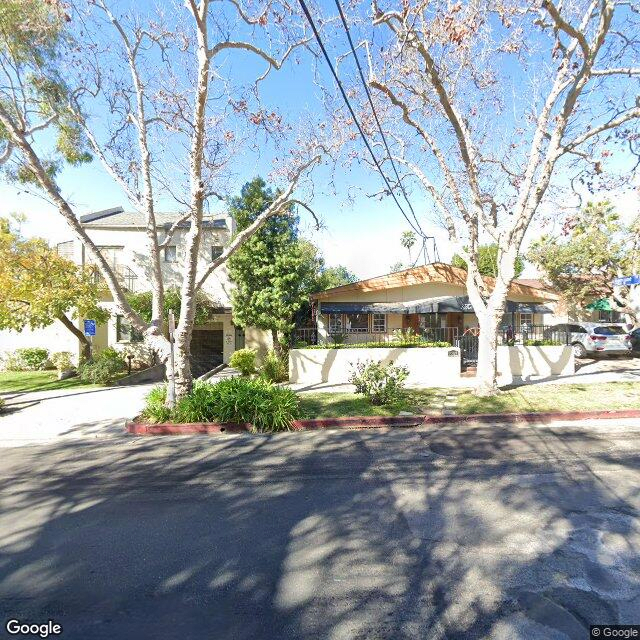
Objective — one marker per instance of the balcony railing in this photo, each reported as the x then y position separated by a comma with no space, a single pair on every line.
126,277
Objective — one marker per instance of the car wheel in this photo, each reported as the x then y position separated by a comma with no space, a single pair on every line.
578,350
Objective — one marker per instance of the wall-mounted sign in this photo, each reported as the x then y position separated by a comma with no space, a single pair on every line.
89,327
626,281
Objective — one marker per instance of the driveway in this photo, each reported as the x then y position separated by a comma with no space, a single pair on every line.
47,415
497,532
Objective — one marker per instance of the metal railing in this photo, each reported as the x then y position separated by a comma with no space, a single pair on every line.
526,334
124,275
435,334
306,335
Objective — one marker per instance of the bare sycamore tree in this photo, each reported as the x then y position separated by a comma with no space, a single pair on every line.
175,119
491,107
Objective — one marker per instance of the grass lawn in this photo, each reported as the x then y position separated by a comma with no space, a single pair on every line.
333,405
562,397
526,399
21,381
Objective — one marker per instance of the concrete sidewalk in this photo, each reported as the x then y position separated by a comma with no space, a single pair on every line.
37,417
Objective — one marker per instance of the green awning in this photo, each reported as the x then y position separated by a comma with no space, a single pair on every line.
600,305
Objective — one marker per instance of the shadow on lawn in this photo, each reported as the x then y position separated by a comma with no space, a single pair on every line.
451,533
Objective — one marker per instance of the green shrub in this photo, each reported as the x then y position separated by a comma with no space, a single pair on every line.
543,343
274,368
244,360
419,344
380,383
28,359
104,368
199,405
405,335
155,409
267,407
112,355
62,360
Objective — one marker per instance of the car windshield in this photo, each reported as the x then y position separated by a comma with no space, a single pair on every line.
609,331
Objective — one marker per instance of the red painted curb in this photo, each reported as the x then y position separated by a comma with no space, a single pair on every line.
171,429
373,422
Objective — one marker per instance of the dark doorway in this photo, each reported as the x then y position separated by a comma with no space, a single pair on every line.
206,350
239,338
411,321
456,320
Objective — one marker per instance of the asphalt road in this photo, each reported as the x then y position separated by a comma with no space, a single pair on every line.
457,532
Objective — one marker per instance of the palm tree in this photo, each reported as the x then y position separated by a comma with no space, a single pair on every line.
407,240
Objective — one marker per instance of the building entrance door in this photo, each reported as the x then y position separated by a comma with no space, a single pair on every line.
456,319
411,321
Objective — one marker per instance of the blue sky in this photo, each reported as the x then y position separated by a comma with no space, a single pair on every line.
360,232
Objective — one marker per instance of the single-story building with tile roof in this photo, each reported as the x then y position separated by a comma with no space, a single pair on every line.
431,300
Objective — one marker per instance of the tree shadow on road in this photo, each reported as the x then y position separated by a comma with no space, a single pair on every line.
458,532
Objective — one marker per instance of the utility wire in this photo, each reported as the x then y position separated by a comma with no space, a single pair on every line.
375,114
305,9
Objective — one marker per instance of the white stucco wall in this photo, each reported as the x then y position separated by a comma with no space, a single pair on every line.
135,255
55,337
430,367
522,363
258,339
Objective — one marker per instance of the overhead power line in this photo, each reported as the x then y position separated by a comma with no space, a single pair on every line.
307,14
375,114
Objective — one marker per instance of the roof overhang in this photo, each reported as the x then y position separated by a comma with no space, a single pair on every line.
443,304
430,273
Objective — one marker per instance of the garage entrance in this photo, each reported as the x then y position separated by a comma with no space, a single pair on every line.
206,350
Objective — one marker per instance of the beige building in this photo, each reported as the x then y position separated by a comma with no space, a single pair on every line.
122,240
430,300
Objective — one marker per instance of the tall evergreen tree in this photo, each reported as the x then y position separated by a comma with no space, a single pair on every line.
273,272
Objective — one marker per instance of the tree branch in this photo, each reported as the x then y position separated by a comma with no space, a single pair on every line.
625,117
280,203
570,30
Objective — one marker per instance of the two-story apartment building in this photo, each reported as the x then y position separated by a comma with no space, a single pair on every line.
121,238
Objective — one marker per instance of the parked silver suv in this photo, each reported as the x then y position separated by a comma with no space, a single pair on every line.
592,337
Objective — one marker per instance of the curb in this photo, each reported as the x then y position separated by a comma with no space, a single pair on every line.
376,422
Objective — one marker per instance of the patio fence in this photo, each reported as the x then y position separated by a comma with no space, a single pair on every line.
526,334
436,334
467,341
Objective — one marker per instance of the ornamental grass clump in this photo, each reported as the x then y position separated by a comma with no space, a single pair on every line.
380,383
274,368
267,407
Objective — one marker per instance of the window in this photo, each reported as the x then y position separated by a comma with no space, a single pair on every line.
609,316
526,320
170,253
609,331
429,321
216,252
335,323
379,322
125,332
110,254
65,249
357,322
576,328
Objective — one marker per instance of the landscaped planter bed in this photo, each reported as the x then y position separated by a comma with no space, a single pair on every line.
372,422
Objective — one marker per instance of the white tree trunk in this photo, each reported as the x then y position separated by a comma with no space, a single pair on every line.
486,375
